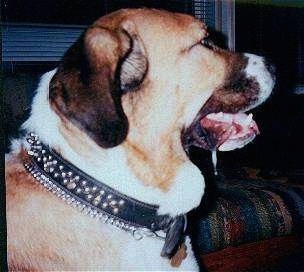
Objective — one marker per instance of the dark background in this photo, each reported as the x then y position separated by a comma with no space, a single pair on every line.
80,12
276,32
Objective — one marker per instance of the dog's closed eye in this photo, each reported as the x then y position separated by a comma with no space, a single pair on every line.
208,43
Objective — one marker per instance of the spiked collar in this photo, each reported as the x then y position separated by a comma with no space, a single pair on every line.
101,201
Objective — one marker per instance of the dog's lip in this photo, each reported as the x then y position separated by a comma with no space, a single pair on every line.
194,135
221,131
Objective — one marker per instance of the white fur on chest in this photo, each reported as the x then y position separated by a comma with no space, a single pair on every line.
121,252
126,253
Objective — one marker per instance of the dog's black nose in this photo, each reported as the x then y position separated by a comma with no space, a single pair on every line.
270,66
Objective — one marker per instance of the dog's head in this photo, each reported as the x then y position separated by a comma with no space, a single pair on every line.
145,79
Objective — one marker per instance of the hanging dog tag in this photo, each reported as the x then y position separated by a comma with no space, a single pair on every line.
174,237
179,256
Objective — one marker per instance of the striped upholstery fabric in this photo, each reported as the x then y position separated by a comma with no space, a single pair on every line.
249,211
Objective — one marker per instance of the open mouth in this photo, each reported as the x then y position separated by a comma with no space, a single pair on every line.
221,131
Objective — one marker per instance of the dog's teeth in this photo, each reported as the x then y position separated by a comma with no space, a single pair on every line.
248,120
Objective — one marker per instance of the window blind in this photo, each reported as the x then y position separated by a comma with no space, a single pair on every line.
205,10
37,43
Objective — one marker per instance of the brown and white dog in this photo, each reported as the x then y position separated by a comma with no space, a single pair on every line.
125,101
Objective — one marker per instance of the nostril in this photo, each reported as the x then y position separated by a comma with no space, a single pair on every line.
270,66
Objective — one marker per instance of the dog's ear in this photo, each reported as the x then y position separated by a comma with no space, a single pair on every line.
135,65
91,78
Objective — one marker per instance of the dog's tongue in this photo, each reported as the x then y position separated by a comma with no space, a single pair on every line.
229,131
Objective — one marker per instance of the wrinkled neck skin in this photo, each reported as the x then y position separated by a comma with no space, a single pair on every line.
116,166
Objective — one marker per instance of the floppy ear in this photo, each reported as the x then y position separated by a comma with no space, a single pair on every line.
87,87
135,65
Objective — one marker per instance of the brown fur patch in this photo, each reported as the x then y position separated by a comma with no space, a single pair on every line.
154,170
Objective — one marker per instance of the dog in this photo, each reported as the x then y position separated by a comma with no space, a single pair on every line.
118,114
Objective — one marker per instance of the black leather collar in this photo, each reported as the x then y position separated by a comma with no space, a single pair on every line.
99,200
